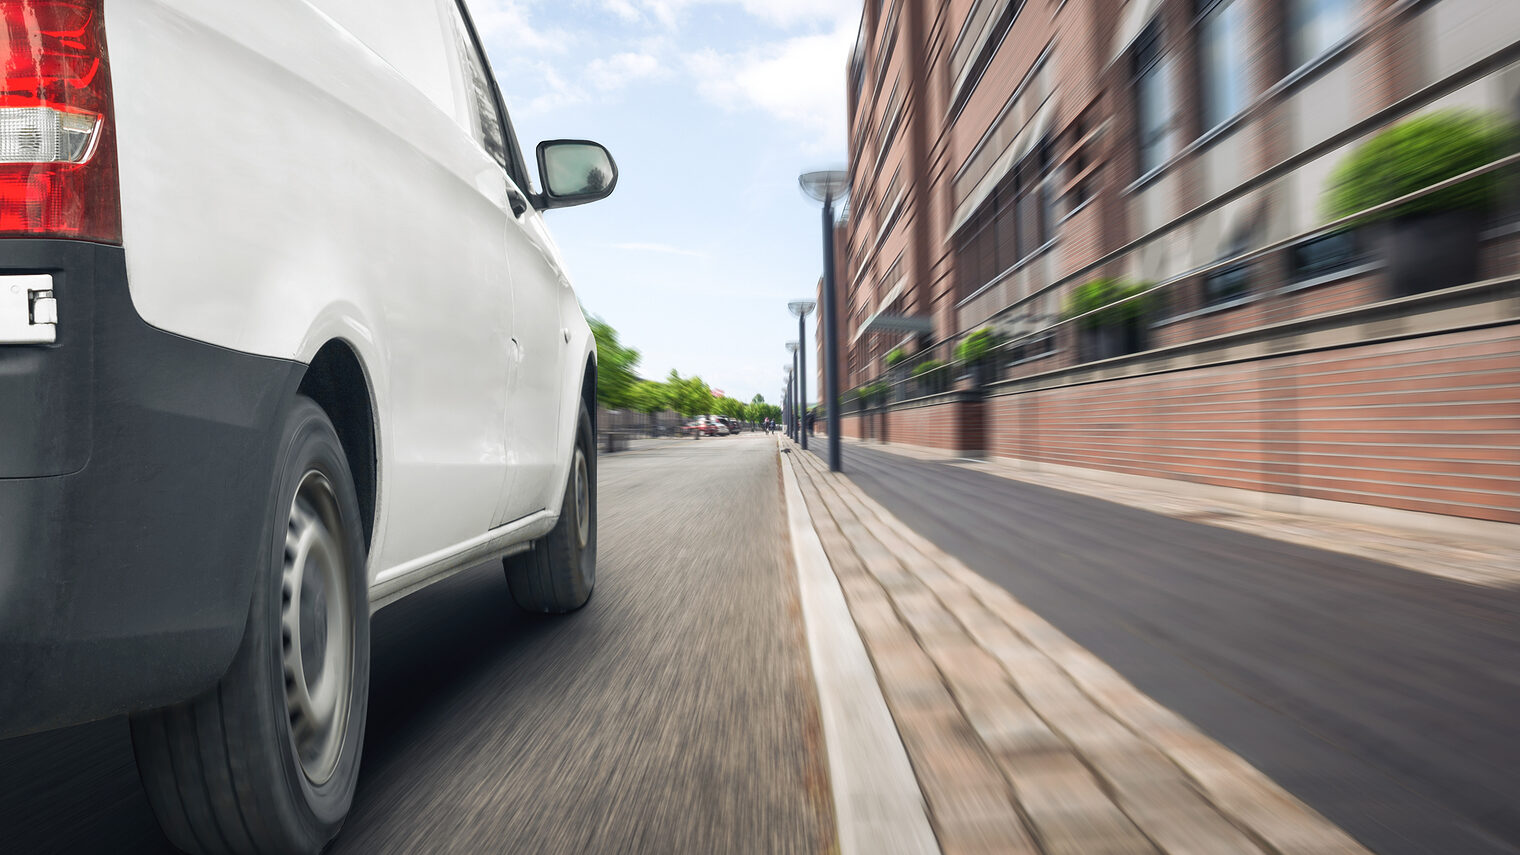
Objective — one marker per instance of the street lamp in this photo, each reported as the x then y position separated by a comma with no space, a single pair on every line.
826,186
796,408
786,398
802,308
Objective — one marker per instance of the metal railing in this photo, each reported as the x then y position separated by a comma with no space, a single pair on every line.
1063,339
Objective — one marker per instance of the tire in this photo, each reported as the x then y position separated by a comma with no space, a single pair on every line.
557,575
248,766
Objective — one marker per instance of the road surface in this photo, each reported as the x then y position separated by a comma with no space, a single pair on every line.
675,713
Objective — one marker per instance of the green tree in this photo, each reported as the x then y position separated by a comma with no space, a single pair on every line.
649,396
690,396
615,364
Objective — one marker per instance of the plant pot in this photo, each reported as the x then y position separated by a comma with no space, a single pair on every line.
1429,251
1110,340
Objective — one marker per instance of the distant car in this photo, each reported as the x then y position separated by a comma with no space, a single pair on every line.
719,427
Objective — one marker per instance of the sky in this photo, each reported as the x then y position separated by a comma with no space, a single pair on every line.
711,108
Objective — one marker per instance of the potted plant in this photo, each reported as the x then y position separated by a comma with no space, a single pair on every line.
930,376
1431,242
975,351
1110,316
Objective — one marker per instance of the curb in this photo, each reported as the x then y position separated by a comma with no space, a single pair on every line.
878,806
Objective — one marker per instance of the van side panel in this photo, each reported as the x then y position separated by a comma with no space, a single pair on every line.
283,185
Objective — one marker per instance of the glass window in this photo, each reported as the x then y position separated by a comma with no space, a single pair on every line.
480,93
1226,284
1316,26
1325,255
1222,61
1153,109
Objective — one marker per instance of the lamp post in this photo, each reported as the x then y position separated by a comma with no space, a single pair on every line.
786,400
802,308
825,187
795,347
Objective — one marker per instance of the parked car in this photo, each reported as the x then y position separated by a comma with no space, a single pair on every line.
283,339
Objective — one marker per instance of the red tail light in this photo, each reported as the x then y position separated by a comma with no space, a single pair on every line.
57,141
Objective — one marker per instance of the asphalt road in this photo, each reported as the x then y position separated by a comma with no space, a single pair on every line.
1387,699
675,713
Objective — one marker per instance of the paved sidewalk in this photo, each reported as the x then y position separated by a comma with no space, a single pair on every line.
1021,740
1476,561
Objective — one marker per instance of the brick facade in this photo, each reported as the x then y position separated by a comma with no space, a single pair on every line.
1005,105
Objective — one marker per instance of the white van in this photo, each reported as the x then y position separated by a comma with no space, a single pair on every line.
283,338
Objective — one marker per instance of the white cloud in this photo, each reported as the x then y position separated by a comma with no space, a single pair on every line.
783,13
509,20
556,92
620,69
798,80
665,249
622,8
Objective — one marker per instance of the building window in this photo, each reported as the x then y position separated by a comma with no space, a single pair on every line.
1011,225
986,25
1316,26
1222,52
1227,284
1324,255
1153,109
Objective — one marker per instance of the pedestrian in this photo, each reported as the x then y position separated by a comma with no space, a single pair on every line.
809,418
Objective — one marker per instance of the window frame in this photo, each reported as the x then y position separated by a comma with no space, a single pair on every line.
516,166
1214,296
1207,13
1294,27
1143,66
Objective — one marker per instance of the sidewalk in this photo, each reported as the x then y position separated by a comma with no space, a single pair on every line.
1475,561
1021,741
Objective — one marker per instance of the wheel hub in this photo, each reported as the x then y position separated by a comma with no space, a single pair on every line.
316,629
582,487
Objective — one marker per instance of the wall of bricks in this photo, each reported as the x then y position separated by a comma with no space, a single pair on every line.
1429,424
953,424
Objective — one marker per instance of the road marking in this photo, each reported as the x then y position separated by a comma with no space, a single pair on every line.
878,805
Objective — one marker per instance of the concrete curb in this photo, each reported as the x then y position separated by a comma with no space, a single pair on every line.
878,805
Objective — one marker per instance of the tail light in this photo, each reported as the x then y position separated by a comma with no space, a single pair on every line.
57,142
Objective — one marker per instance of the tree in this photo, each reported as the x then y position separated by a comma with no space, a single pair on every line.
615,364
690,396
756,410
649,396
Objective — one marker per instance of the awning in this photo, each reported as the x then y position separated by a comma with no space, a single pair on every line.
1139,14
881,322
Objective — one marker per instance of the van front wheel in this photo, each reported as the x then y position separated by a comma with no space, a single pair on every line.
558,573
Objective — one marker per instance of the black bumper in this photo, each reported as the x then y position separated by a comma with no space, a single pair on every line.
135,490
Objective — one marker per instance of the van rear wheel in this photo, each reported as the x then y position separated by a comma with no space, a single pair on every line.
267,760
557,575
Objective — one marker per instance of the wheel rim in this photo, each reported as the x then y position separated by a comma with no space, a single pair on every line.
315,626
582,488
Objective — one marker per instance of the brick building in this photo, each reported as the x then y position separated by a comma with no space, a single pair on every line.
1006,153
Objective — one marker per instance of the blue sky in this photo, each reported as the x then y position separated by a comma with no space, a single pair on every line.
711,108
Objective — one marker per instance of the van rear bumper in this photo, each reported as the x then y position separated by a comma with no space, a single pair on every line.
135,492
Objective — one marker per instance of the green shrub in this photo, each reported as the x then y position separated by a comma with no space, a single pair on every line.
975,347
1415,154
1100,297
894,356
927,366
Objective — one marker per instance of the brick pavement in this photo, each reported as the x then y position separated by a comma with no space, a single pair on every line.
1021,740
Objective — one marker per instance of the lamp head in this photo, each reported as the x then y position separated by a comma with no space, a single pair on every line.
802,308
825,185
791,347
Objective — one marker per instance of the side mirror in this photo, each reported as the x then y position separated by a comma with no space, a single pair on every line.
574,172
